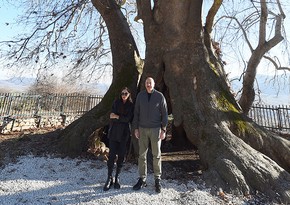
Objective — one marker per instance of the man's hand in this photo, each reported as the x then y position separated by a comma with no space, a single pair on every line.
137,133
162,134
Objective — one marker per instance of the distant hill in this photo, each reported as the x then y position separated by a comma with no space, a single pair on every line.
16,84
23,84
271,94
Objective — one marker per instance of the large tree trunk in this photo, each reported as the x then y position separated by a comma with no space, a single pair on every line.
236,153
126,63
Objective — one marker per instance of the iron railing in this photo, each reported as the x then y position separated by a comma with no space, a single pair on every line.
17,105
20,105
276,118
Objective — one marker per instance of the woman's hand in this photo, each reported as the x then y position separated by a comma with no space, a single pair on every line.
114,116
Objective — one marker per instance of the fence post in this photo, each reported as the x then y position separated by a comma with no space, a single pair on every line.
88,103
4,107
62,105
37,106
279,118
9,105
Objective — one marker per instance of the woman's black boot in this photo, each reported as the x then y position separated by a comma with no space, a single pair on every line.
117,180
110,180
117,183
108,183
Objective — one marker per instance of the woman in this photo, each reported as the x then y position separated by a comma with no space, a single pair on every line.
121,117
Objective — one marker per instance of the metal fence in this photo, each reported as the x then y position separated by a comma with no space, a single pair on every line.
22,105
276,118
33,105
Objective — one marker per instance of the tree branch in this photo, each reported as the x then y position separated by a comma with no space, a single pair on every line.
278,67
263,22
211,14
243,31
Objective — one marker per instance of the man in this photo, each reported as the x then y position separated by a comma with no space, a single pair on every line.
150,121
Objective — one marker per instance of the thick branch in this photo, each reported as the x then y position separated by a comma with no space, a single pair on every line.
211,14
144,11
263,22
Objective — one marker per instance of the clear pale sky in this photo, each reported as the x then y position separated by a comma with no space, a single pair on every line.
7,15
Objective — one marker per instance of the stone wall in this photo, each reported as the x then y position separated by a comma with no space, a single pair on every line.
21,124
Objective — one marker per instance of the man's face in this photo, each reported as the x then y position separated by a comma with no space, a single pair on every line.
149,84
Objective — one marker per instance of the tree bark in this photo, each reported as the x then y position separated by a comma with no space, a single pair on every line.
126,63
236,153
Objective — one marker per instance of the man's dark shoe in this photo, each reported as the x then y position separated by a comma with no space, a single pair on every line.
140,184
157,185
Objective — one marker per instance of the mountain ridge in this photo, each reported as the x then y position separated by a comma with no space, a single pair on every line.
270,93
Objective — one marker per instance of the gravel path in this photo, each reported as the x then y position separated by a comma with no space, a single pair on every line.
48,180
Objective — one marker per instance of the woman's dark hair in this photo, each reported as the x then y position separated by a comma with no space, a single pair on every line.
128,90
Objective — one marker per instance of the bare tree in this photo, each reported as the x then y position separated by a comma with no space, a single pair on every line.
44,84
179,56
50,84
57,36
259,27
236,153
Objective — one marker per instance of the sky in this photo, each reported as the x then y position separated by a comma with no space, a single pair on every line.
8,30
9,14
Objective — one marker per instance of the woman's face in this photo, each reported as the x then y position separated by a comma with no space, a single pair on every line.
125,95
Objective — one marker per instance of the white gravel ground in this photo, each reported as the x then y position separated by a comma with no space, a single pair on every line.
47,180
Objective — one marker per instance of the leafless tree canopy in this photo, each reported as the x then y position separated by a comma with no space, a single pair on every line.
255,34
67,34
72,35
